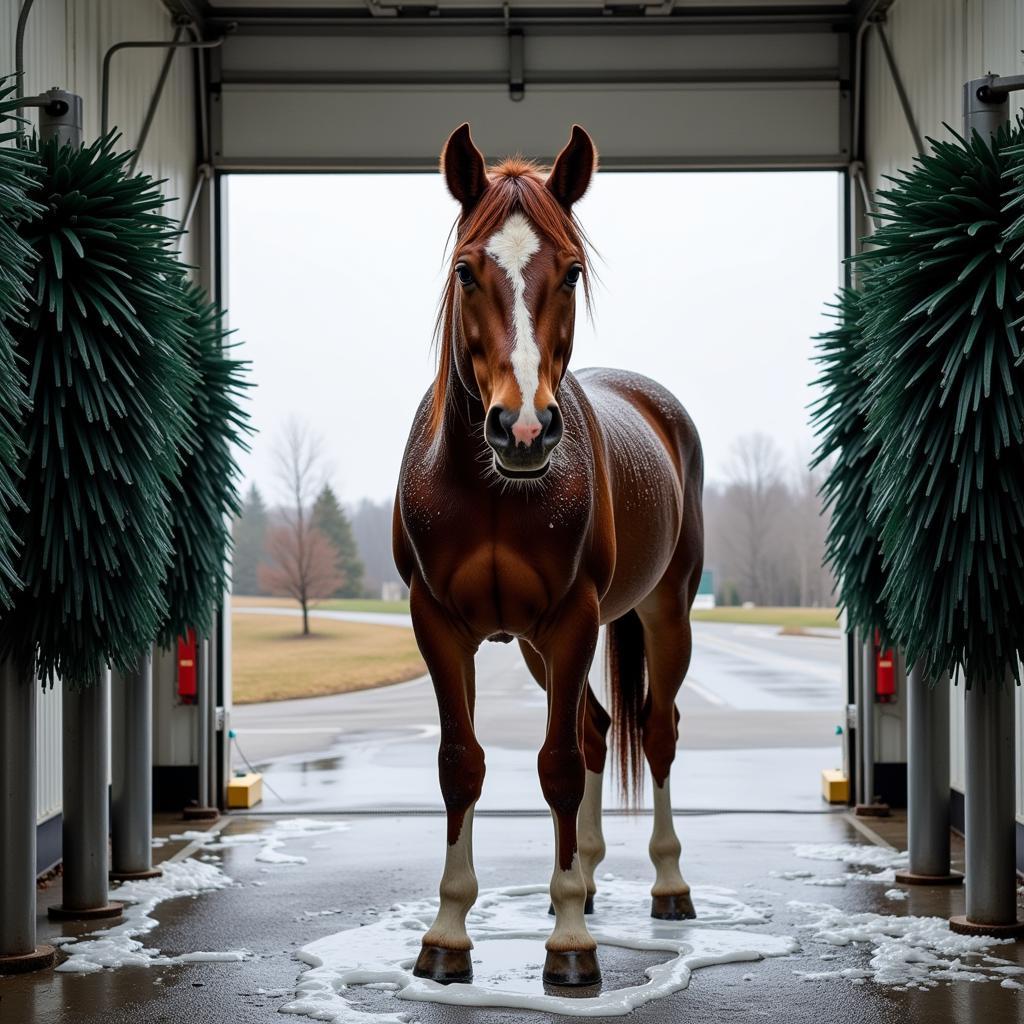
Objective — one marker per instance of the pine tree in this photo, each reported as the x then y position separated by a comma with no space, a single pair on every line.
250,533
330,517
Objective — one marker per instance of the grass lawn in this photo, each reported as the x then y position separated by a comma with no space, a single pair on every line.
793,618
343,604
271,660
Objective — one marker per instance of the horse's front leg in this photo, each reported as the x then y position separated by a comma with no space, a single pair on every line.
445,954
567,646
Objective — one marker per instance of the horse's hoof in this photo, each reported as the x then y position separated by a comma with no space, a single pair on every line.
575,967
673,908
588,907
445,966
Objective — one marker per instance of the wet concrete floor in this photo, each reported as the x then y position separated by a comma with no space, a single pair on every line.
384,859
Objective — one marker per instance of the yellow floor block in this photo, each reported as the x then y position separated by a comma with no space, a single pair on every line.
245,790
835,787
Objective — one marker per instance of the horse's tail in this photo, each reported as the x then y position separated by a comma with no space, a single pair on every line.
626,674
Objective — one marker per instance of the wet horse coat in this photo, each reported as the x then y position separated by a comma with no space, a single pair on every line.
538,504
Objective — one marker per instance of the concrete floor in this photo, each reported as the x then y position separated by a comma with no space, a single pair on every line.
383,859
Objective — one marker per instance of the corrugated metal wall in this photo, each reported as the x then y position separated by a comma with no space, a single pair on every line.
64,46
939,45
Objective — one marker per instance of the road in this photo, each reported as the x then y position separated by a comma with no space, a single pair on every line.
758,717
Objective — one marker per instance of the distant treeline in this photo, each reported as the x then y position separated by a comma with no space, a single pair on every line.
764,534
765,530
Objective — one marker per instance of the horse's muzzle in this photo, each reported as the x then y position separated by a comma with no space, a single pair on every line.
514,456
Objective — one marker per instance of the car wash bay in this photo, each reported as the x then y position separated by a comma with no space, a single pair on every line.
758,86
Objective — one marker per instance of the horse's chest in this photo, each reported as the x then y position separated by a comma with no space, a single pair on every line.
497,561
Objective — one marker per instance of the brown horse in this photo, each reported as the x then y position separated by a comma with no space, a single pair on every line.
538,504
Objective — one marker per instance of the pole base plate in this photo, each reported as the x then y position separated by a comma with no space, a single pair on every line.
62,913
201,813
135,876
872,810
960,925
910,878
40,959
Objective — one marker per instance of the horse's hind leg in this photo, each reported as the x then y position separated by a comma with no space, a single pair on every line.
668,645
596,722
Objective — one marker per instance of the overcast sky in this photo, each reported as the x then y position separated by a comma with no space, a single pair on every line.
712,283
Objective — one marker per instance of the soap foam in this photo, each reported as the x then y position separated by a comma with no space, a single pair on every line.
906,951
118,945
509,927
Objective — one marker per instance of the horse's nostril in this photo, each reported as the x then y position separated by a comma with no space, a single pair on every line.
551,421
497,427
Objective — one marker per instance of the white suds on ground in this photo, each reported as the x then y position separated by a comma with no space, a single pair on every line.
906,952
860,855
269,840
509,927
118,945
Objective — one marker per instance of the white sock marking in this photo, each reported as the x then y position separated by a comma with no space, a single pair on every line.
511,248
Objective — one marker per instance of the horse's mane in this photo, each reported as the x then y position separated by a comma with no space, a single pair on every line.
514,185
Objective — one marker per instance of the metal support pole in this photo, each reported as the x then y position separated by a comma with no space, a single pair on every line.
870,807
85,738
18,949
131,807
990,824
204,809
858,690
203,698
928,782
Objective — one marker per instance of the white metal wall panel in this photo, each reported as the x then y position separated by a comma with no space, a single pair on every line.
48,745
64,46
938,44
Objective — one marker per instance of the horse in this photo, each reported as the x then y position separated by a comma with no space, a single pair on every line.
537,504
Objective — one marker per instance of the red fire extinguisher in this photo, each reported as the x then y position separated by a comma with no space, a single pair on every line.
885,674
187,668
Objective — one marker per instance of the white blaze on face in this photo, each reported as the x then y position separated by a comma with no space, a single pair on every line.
511,248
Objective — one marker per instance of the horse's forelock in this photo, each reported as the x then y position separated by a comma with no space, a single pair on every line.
516,185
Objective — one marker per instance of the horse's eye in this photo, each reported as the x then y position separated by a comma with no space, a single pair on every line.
464,274
573,276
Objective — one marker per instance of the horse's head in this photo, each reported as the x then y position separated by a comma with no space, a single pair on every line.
509,309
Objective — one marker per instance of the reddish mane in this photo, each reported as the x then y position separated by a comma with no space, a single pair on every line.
514,185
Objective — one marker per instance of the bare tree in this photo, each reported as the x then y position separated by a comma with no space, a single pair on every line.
302,561
755,501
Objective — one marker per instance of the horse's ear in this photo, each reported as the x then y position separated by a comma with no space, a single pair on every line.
464,168
573,168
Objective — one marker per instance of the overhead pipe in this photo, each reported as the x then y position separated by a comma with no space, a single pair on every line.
142,44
